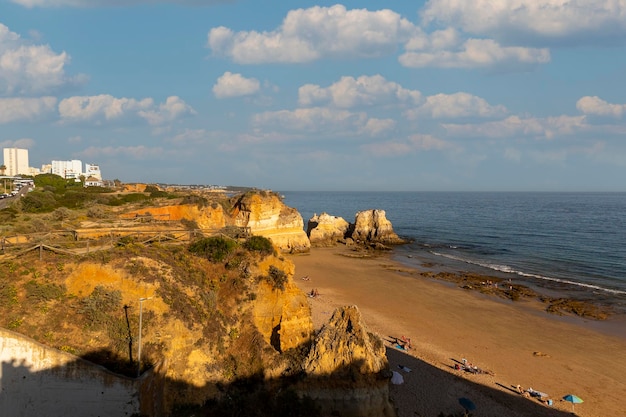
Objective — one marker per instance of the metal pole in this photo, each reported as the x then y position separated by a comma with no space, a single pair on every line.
141,300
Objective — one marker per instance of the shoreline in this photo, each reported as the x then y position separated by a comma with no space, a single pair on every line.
518,341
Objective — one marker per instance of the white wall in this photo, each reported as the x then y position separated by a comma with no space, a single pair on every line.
38,381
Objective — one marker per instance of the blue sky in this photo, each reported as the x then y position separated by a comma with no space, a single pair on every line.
439,95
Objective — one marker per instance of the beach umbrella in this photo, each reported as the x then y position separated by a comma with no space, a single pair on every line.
574,399
467,404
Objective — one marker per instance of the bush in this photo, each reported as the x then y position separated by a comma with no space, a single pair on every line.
38,202
100,303
43,292
95,212
259,244
277,278
215,249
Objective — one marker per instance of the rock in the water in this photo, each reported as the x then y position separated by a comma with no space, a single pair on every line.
372,226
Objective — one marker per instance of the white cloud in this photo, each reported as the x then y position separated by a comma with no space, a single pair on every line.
514,126
235,85
532,20
414,143
94,3
24,143
375,127
455,105
476,53
314,120
596,106
106,108
310,34
25,109
362,91
27,69
172,109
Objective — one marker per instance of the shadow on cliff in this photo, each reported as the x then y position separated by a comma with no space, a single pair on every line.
80,388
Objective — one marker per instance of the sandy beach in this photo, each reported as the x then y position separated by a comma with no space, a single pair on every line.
516,341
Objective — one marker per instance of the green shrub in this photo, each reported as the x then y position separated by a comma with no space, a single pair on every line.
38,202
259,244
43,292
277,278
133,198
215,249
100,303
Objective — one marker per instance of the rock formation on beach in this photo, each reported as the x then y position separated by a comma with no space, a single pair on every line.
369,227
347,369
326,230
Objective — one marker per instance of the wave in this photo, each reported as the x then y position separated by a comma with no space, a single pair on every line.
510,270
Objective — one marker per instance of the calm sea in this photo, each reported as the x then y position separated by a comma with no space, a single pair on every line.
563,244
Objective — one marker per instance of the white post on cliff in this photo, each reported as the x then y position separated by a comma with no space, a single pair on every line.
141,300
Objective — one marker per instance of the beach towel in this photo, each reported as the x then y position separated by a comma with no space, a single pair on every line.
396,378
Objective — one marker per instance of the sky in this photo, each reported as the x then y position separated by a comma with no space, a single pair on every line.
438,95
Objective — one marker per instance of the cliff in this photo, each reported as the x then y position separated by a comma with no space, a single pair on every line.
261,213
266,215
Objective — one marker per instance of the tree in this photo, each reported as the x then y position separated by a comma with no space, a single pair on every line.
3,168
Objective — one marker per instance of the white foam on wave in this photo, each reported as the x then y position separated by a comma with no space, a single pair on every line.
509,270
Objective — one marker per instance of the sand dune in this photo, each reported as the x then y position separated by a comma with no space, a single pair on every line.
517,341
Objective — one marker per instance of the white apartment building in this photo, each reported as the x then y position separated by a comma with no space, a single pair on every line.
93,171
68,169
16,161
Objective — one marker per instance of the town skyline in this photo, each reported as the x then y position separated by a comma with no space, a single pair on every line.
438,95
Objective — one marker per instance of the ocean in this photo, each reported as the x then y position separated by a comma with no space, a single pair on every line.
560,244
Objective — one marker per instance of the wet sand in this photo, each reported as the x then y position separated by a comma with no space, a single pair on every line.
518,341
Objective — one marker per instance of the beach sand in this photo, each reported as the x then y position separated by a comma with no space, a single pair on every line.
518,341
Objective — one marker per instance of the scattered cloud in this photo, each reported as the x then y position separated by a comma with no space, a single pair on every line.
24,143
476,53
106,108
235,85
317,32
537,21
449,106
25,109
27,69
515,126
173,108
598,107
314,120
351,92
414,143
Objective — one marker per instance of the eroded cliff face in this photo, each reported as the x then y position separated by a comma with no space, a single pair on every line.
347,372
266,215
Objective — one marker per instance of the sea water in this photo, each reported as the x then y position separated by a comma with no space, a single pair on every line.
563,244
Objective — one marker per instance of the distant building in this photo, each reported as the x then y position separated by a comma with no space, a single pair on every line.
93,182
16,161
93,171
68,169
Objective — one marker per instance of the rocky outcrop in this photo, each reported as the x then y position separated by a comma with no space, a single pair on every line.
266,215
372,226
326,230
347,370
369,227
